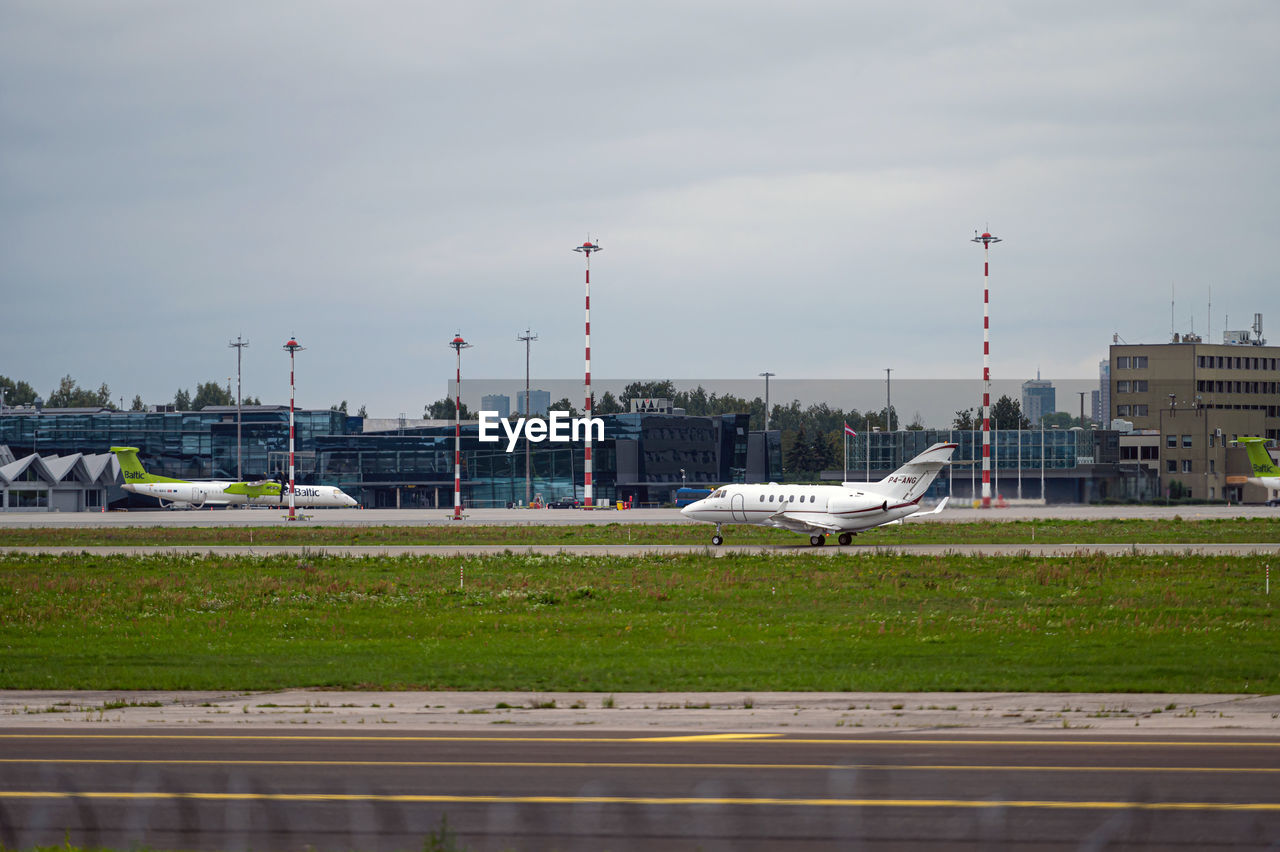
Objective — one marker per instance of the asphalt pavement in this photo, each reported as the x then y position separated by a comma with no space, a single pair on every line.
375,788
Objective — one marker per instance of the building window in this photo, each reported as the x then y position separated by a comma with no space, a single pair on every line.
1122,411
1139,411
1139,385
1122,362
1186,441
1213,465
1186,465
1139,362
1171,466
1171,441
1122,386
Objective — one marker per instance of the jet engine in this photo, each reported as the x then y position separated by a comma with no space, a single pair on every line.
850,504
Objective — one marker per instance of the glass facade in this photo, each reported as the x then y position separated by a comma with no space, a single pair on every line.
643,457
182,444
890,450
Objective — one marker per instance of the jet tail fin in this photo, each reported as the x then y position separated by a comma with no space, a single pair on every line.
132,469
910,481
1259,458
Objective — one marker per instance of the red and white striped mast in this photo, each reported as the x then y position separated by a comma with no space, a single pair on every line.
291,347
587,248
986,239
458,345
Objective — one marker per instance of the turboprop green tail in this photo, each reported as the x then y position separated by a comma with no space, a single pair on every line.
1259,458
132,468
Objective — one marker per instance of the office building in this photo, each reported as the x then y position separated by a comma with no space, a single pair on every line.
1038,399
498,402
1103,416
539,402
1198,398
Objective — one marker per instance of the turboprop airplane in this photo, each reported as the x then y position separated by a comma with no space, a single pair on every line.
182,492
820,510
1265,472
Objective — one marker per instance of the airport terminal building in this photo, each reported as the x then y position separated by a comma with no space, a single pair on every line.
644,457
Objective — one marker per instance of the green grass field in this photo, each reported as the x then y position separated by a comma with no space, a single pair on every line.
683,622
1253,530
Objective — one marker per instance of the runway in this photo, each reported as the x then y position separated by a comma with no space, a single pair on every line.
658,550
583,789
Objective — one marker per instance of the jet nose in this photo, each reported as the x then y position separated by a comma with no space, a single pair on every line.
691,511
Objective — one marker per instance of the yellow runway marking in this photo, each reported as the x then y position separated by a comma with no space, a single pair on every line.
569,764
983,804
738,738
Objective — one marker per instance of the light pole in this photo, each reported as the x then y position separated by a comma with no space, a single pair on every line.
587,248
528,337
766,375
458,345
986,240
239,346
888,400
292,348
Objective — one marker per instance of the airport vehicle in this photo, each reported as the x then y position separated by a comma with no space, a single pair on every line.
685,496
821,510
564,503
1265,472
183,493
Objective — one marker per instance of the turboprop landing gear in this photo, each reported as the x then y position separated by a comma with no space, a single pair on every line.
817,540
846,539
717,539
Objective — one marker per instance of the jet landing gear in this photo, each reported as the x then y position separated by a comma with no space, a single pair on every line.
717,539
817,540
845,539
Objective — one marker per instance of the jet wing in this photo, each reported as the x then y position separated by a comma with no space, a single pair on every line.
254,489
797,523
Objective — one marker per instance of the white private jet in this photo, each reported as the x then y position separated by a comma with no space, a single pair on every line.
820,510
196,494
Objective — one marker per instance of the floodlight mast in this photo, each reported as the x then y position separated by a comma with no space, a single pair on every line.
239,345
986,240
458,345
528,337
292,348
587,248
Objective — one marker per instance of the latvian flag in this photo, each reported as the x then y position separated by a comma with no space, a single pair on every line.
849,431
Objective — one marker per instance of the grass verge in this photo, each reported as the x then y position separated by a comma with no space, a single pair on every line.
683,622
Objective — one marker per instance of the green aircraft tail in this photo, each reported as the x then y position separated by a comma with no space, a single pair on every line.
1259,458
132,469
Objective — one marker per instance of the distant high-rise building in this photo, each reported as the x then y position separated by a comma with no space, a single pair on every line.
498,402
539,402
1095,405
1038,399
1104,395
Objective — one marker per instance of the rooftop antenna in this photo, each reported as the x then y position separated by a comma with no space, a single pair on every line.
1172,302
1208,323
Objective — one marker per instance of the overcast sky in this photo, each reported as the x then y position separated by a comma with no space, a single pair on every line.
784,187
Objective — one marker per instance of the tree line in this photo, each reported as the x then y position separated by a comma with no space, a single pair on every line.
69,394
